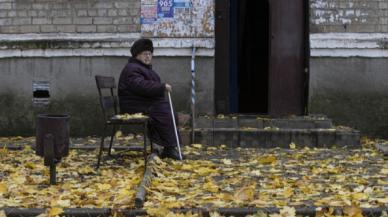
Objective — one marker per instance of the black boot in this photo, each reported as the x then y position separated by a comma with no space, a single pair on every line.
170,152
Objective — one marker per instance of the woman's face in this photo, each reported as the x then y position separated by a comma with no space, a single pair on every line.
145,57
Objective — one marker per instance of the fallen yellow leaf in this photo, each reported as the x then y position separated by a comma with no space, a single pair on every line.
267,160
211,187
353,211
158,212
3,188
199,146
227,161
245,193
55,211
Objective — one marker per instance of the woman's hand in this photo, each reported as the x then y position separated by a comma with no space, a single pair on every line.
168,88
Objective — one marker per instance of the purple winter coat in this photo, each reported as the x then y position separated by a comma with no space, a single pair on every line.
140,90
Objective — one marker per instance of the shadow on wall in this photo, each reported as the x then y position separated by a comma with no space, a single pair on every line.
365,112
17,115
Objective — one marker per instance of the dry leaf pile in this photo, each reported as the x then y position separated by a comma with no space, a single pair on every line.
211,177
24,181
270,177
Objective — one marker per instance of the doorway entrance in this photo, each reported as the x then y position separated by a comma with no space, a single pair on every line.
261,57
249,56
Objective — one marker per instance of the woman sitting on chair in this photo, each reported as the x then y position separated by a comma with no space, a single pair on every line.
140,90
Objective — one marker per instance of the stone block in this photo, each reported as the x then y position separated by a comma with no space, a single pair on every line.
82,13
204,136
279,138
106,4
6,6
5,22
66,28
92,12
226,123
21,21
83,20
29,29
48,28
204,122
229,137
9,29
349,139
62,20
122,20
86,28
323,124
301,124
22,13
247,122
102,20
264,139
303,138
112,12
122,12
102,13
249,139
325,138
41,6
185,136
279,123
41,21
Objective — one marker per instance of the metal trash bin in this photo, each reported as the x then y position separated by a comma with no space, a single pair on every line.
58,126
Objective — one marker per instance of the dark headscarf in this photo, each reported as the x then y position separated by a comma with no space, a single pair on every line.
141,45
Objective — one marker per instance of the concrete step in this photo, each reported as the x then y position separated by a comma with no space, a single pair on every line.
262,122
261,131
270,138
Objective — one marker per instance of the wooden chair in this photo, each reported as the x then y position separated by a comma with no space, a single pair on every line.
109,106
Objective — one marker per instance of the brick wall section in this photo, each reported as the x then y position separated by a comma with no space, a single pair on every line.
348,16
69,16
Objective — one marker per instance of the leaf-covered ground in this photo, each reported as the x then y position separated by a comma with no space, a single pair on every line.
210,177
271,178
24,179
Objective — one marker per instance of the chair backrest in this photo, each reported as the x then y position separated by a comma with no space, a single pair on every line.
108,102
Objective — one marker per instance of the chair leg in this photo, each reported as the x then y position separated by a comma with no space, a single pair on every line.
101,147
145,144
111,139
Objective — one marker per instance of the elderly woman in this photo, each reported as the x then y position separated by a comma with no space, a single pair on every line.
140,90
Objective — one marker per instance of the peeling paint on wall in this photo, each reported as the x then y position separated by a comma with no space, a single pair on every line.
194,21
347,16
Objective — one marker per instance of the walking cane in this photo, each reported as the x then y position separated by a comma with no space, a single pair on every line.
175,129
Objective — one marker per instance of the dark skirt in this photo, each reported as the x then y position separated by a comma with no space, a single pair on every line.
160,125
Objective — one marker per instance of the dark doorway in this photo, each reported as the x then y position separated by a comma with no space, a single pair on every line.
261,56
249,56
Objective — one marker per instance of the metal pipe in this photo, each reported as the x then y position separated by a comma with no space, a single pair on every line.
193,96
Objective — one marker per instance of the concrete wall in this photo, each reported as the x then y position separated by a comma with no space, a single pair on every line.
73,89
351,91
348,76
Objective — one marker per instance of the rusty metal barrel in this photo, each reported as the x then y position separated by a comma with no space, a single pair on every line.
57,126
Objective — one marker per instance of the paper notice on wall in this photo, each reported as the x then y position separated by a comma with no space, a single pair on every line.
148,14
177,18
182,4
165,9
148,11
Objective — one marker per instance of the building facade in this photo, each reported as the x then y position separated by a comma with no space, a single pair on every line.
50,51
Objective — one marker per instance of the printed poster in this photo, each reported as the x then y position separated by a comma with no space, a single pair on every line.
165,8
